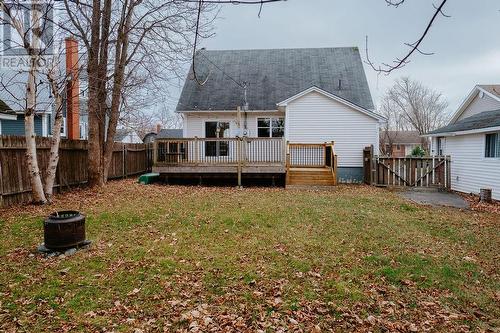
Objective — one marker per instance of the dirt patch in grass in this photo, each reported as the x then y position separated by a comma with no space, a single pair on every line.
168,258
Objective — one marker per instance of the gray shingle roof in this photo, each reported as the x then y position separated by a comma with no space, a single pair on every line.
478,121
273,76
401,137
4,108
166,133
122,133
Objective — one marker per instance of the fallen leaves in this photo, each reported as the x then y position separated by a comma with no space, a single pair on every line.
476,205
244,261
134,292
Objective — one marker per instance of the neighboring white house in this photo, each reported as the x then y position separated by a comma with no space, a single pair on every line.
302,95
472,139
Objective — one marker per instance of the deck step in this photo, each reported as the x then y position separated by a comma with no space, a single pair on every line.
310,177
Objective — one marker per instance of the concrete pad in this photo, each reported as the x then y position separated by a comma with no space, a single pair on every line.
435,198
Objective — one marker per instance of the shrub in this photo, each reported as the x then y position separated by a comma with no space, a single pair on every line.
418,151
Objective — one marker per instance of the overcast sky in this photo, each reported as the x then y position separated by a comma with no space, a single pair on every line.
466,45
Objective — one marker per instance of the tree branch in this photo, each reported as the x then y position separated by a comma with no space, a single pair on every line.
414,47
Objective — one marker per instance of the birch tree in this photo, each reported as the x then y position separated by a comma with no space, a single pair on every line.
56,87
14,17
42,72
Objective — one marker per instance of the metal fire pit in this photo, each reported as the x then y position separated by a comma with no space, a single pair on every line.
64,230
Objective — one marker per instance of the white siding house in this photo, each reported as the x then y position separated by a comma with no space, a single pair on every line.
194,122
301,95
315,116
472,139
481,98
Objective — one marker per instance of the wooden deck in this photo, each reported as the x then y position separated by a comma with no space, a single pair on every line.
215,169
304,164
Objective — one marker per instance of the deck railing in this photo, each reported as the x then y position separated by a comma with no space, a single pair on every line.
312,155
219,151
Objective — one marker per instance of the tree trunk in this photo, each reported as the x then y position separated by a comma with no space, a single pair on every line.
121,51
54,144
95,114
29,129
94,149
29,117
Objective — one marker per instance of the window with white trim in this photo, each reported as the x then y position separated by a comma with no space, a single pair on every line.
63,127
492,146
440,146
83,131
271,127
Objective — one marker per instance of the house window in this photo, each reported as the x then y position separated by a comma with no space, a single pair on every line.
216,129
63,127
83,131
492,148
440,146
270,127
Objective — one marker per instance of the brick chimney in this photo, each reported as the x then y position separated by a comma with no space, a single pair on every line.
72,89
158,128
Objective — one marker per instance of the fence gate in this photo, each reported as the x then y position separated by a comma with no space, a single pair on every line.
411,171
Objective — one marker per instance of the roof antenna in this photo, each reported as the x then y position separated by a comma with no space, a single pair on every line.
340,84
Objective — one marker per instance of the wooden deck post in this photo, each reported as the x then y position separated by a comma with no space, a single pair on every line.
239,143
335,168
287,162
324,155
155,152
333,162
283,151
196,150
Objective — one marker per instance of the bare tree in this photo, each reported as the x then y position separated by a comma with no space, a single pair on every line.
42,74
166,118
57,82
395,123
409,105
123,39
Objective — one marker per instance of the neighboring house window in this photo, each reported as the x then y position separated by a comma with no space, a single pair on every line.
398,147
83,131
270,127
492,145
63,127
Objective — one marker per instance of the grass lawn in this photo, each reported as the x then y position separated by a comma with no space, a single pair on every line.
168,258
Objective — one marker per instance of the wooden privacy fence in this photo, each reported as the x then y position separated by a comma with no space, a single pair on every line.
431,171
127,160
